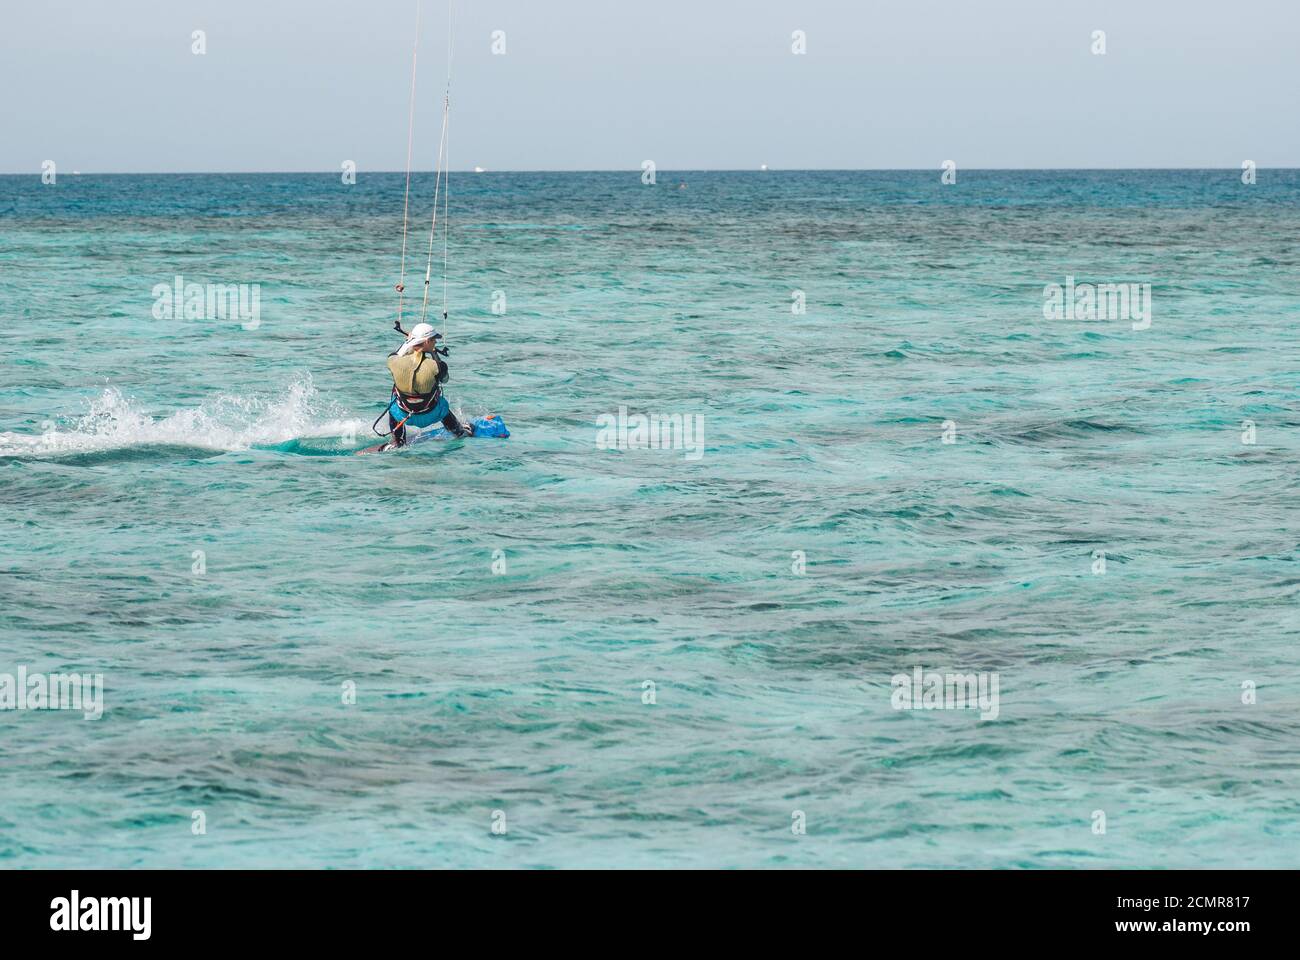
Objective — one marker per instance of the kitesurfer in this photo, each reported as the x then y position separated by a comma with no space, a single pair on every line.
418,375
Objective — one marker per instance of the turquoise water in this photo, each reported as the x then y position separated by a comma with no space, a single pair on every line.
127,443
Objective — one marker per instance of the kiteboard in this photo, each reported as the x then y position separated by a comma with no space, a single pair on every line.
490,427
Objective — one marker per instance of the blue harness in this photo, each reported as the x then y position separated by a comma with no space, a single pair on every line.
423,419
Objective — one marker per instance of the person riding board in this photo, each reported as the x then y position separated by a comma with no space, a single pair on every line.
418,375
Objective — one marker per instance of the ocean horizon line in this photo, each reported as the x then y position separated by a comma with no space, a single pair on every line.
637,170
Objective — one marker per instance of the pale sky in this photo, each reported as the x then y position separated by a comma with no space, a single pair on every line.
288,85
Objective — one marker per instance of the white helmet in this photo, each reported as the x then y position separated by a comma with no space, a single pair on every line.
419,333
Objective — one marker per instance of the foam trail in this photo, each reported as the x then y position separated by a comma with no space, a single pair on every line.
227,422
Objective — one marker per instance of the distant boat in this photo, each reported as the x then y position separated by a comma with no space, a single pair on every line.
762,166
478,169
